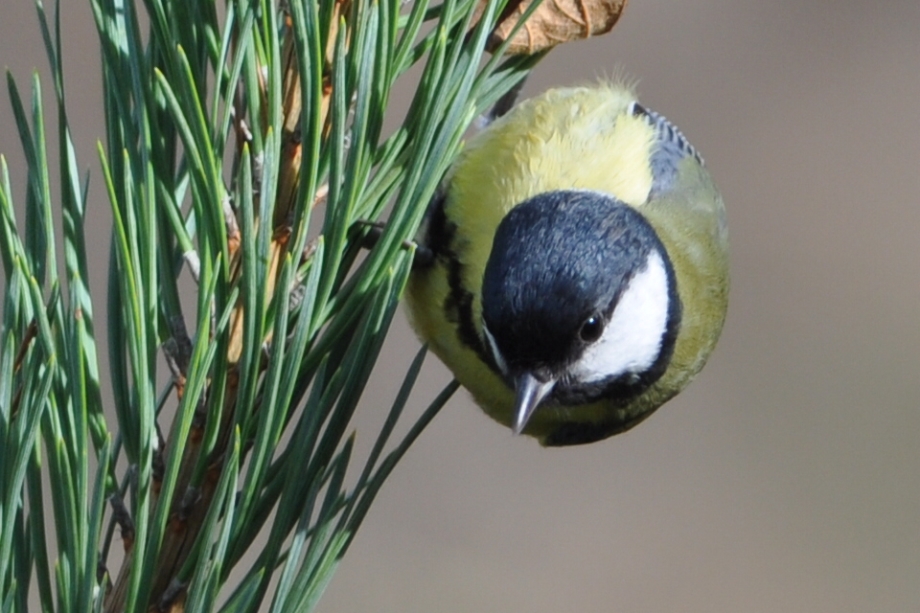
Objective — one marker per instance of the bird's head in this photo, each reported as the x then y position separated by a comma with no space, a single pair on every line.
579,301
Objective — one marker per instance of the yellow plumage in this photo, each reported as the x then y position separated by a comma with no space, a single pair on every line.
583,138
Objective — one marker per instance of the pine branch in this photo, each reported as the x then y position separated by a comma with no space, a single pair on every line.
244,157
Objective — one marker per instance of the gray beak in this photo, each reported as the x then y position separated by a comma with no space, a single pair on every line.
530,391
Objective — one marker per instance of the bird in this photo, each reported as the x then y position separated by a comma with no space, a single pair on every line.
577,268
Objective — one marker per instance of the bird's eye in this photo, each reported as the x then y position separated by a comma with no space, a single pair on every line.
592,329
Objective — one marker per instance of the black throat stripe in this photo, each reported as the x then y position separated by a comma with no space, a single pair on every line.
441,238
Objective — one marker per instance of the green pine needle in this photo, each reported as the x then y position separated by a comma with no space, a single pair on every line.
244,156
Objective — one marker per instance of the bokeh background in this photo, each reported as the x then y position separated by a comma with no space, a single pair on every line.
787,477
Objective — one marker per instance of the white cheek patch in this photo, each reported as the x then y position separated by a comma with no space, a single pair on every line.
631,341
493,347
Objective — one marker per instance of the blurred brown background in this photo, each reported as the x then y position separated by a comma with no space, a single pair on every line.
787,478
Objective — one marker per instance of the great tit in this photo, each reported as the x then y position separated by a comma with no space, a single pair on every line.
579,269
